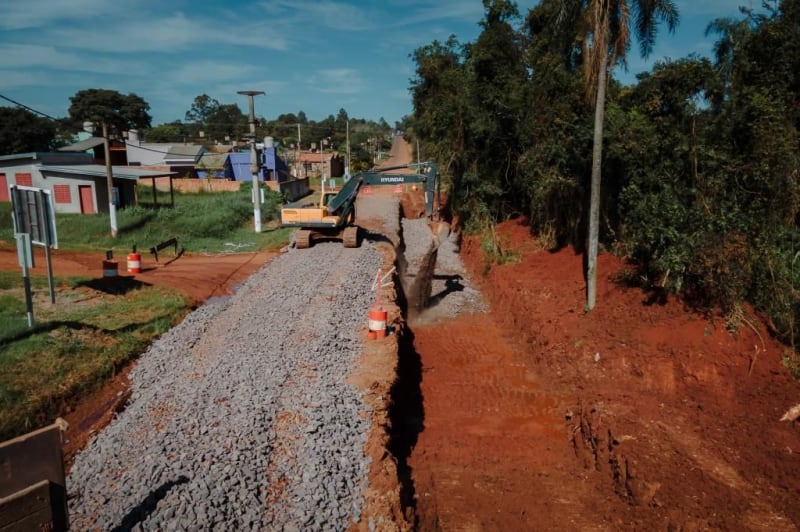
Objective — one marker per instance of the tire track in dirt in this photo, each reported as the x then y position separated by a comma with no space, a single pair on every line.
494,436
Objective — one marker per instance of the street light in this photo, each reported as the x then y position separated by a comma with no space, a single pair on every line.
254,158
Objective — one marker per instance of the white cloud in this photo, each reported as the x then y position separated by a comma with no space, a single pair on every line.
36,56
167,34
338,81
209,71
445,10
461,11
33,14
170,52
13,79
31,55
306,15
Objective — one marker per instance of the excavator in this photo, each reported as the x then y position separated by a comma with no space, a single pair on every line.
335,215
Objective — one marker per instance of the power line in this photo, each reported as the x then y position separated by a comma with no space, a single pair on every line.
31,109
36,111
312,127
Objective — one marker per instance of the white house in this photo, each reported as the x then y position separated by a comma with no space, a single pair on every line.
177,157
77,185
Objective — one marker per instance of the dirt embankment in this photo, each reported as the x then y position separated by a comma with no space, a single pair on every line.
539,416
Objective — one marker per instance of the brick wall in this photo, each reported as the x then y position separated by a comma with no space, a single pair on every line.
193,185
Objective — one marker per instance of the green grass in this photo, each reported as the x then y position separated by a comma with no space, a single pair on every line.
13,319
83,339
204,223
14,280
74,346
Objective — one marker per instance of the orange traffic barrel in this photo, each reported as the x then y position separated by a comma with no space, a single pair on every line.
134,263
377,321
110,268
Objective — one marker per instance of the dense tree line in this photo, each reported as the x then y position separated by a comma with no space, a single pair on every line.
701,156
210,121
207,121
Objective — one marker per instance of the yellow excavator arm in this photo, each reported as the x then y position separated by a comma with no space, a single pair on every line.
334,216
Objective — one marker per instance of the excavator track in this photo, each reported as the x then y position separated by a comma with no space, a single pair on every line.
302,239
350,236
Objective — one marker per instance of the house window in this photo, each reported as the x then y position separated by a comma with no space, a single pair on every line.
62,194
24,180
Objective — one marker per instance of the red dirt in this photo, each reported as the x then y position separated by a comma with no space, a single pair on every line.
199,276
539,416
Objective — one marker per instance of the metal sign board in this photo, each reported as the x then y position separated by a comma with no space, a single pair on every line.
33,213
24,252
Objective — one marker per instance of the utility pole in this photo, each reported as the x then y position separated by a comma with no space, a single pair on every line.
297,160
347,174
322,161
254,158
112,207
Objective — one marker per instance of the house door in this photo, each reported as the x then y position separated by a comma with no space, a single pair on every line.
87,199
4,188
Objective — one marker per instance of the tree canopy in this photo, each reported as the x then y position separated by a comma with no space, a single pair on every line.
118,111
216,121
701,156
23,131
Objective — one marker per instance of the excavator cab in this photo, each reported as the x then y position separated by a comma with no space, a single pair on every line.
335,214
326,198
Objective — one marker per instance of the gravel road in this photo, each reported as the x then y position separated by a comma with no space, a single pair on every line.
241,417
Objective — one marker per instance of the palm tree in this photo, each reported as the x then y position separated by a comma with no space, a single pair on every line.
733,35
608,26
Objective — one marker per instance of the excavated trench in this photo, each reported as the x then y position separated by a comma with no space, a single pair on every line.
418,284
407,412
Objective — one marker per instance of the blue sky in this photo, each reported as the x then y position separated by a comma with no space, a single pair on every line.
316,56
